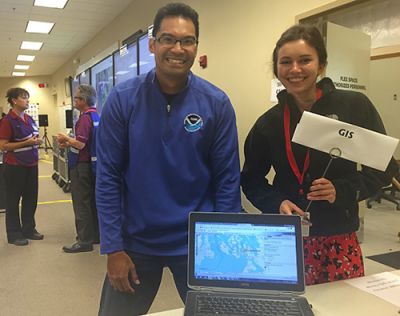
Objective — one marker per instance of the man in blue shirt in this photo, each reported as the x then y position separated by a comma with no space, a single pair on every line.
167,145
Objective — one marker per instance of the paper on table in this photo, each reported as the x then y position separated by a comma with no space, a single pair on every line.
355,143
385,285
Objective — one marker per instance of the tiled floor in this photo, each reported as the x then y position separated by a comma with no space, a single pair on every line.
41,280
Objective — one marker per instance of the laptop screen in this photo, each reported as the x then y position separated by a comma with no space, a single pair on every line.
245,251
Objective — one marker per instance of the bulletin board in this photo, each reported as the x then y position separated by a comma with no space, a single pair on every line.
33,111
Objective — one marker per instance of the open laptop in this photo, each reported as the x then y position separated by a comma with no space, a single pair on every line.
237,260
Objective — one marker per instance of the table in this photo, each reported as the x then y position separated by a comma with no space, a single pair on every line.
333,299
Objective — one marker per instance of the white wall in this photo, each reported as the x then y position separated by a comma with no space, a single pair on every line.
384,85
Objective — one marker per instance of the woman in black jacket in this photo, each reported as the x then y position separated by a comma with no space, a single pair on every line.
332,251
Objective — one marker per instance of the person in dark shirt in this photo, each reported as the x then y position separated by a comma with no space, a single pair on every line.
332,251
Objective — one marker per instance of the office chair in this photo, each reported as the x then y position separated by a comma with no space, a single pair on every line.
388,193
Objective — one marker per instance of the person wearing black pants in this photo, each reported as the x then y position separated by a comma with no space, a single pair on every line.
2,185
22,182
82,189
82,167
19,139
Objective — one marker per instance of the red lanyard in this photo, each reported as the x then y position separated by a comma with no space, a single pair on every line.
289,152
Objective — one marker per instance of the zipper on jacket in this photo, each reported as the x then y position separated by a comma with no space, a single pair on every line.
167,131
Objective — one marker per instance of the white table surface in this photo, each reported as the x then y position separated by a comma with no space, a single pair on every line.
336,299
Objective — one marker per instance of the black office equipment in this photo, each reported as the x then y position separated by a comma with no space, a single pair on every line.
69,123
391,259
43,120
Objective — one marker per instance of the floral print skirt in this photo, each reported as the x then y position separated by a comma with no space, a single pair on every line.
332,258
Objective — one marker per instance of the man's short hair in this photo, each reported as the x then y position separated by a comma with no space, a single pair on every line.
173,10
88,93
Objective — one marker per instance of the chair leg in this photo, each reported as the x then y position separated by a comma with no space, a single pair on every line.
391,199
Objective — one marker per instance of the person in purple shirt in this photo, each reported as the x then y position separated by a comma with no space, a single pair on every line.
19,139
81,172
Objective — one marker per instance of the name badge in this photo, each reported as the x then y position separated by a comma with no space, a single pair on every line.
306,224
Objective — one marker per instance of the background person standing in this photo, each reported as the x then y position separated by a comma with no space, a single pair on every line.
81,160
19,140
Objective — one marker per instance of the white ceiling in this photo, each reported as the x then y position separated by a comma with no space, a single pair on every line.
75,25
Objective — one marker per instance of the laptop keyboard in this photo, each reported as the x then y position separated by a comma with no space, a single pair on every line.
222,305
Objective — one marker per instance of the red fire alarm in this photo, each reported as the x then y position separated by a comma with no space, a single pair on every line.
203,61
43,85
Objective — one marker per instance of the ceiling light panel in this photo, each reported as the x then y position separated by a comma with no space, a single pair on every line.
60,4
39,27
21,67
31,45
25,58
18,74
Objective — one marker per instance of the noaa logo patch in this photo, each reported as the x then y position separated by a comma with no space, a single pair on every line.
193,122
